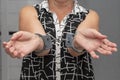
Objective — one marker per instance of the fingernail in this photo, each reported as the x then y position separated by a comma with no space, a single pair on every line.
116,50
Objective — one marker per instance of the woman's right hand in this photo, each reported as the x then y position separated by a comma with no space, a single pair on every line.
22,43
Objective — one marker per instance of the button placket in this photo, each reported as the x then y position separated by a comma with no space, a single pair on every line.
59,28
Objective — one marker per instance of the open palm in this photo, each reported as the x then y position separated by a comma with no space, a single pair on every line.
92,41
21,44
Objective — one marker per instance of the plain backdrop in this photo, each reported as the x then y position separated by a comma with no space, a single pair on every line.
106,68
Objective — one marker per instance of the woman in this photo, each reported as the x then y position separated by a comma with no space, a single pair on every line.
58,19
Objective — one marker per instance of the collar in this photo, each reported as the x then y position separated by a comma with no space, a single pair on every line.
77,8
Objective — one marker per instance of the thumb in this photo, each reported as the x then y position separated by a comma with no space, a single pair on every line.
94,55
16,36
99,35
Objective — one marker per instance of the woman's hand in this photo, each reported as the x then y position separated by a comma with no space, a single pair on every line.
92,40
22,43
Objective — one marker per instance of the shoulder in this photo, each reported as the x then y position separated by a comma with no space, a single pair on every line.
89,15
28,11
91,20
93,13
90,12
92,16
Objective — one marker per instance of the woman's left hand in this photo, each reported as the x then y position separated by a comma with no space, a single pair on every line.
92,40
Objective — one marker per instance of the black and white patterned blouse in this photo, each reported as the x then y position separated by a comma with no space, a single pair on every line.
58,64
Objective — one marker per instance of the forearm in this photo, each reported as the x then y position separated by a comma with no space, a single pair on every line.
91,22
28,21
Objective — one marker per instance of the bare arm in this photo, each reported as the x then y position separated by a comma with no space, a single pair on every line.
89,38
28,21
91,21
25,41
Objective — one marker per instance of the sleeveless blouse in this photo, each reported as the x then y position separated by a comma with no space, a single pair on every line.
58,64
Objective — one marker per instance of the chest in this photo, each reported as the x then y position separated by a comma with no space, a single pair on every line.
52,24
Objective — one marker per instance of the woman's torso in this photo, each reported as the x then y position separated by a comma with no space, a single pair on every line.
58,64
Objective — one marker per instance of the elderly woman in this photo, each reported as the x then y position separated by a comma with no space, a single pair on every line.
56,40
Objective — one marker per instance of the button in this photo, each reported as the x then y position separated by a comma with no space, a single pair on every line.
58,69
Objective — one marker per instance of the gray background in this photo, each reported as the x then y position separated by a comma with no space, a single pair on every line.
106,68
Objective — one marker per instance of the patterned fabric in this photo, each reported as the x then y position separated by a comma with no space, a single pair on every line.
58,64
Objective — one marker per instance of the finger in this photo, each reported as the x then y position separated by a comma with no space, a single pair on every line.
4,44
14,54
114,49
99,35
10,51
20,54
14,51
9,44
94,55
109,48
104,52
109,43
7,48
7,51
106,47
